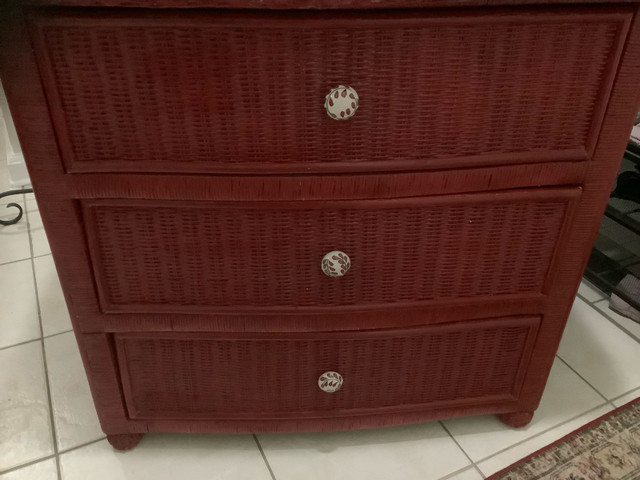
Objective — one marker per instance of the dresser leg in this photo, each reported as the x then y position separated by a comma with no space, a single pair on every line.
125,441
516,419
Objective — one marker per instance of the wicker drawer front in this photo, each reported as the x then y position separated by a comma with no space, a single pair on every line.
186,375
229,92
171,256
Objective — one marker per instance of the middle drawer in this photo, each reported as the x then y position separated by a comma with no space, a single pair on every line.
233,257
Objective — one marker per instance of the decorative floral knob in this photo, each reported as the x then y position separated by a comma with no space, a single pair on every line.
341,103
330,382
336,263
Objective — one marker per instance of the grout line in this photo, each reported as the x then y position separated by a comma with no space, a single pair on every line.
21,343
28,464
589,302
49,457
86,444
15,261
593,287
264,457
26,218
44,354
36,339
473,464
52,456
585,300
636,389
458,472
544,431
583,379
606,315
59,333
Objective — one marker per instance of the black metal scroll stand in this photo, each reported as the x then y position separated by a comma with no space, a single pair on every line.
19,216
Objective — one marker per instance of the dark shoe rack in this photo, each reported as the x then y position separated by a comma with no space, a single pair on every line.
616,251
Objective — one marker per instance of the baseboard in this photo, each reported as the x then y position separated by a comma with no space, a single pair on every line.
18,175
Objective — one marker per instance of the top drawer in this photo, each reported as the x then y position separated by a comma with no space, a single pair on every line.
245,92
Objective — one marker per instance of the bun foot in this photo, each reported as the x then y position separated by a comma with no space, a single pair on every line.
516,419
125,441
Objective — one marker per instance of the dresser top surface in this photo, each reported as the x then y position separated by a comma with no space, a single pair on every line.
306,4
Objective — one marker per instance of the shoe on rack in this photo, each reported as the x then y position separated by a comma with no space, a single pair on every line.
627,187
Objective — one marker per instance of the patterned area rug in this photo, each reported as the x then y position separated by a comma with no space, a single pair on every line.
606,449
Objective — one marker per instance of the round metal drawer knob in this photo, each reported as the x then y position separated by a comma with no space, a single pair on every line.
330,382
341,102
336,263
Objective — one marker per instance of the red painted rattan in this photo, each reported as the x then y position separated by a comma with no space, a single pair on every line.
173,256
602,70
186,376
245,92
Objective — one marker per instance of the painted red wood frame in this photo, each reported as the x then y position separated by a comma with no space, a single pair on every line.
306,4
62,196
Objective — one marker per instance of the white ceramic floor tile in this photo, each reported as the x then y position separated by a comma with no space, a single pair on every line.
512,455
169,457
589,292
25,432
566,396
600,352
73,409
629,325
38,237
627,397
45,470
14,239
469,474
19,310
53,309
407,453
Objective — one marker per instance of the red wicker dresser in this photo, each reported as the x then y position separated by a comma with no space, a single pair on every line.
282,215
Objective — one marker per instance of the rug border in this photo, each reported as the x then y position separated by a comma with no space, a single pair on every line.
564,438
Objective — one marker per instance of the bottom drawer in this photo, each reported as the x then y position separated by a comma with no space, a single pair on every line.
184,375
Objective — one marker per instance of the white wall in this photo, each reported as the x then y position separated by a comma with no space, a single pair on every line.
10,150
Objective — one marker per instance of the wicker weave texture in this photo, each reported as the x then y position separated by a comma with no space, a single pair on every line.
215,97
155,255
180,376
